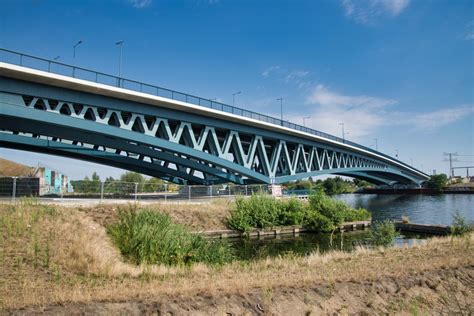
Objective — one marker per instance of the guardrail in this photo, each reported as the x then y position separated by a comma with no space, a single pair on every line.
51,66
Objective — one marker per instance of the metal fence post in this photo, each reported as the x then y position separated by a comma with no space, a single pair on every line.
189,192
246,193
229,189
14,190
101,191
136,191
211,191
166,191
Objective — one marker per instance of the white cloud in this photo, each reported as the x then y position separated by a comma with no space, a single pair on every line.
469,35
140,4
362,114
267,72
395,7
323,96
296,74
365,11
439,118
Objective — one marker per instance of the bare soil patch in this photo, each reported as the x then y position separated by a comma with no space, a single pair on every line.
197,216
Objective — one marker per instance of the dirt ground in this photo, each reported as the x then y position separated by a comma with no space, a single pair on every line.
197,216
448,291
60,261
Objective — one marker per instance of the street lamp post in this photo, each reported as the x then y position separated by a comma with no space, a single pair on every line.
376,145
74,48
281,109
233,97
396,153
120,43
304,118
343,136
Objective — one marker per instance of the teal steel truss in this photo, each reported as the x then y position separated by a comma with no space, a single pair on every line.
175,144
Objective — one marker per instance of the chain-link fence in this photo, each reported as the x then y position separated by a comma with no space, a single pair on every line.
12,188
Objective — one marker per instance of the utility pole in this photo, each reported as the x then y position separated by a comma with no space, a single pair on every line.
450,159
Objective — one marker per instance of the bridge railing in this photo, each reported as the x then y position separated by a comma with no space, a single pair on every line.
51,66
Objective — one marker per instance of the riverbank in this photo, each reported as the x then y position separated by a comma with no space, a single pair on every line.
451,190
61,261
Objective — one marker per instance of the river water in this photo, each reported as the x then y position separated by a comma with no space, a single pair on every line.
420,209
423,209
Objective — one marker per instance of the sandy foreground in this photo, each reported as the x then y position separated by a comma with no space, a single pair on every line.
57,260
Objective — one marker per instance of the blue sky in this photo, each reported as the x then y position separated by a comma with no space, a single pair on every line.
401,71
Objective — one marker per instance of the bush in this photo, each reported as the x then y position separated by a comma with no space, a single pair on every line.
292,212
460,226
321,213
151,237
258,211
315,221
354,215
383,233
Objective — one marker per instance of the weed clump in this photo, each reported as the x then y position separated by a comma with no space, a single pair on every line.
460,226
383,233
150,237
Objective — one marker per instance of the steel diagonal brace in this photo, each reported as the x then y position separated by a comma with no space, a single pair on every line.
97,156
20,119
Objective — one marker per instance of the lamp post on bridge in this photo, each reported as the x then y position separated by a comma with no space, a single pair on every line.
304,118
74,48
281,110
120,43
56,58
233,97
376,145
343,136
396,153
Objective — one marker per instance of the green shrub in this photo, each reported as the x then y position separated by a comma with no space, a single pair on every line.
292,212
459,226
315,221
383,233
151,237
353,215
321,213
258,211
332,209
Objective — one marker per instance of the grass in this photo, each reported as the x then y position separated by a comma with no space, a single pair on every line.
84,265
145,236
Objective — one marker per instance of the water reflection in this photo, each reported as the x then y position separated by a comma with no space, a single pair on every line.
307,243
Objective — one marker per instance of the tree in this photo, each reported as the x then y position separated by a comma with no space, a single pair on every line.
133,177
437,182
95,176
